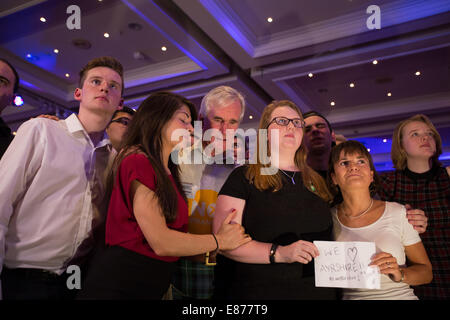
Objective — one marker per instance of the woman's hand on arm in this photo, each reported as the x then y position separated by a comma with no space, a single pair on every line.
168,242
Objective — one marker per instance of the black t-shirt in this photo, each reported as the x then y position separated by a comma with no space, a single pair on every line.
5,137
290,214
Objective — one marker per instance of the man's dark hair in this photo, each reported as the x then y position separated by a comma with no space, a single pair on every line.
16,75
317,114
108,62
128,110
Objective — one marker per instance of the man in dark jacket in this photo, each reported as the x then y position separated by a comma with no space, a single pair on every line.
9,83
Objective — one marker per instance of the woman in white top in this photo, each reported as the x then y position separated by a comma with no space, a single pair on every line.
359,217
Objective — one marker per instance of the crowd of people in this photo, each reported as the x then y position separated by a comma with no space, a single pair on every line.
111,191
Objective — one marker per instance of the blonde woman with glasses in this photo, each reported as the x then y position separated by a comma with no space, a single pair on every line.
283,212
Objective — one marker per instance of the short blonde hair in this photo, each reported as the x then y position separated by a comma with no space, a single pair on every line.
398,153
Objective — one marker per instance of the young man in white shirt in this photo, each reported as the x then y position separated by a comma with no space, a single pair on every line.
52,190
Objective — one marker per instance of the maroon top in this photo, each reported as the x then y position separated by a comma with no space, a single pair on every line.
122,228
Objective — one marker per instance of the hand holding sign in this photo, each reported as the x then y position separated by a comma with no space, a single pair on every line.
299,251
387,265
346,265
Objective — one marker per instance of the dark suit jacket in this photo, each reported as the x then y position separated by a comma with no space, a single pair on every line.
5,137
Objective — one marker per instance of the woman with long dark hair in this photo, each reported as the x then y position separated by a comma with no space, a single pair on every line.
147,217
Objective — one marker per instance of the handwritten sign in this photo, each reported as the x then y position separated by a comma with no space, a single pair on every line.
346,265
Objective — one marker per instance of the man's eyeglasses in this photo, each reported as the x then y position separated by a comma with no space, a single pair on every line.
283,121
123,120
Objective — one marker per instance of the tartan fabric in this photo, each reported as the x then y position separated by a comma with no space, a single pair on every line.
430,192
192,280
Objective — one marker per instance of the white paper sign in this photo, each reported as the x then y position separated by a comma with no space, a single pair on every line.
346,265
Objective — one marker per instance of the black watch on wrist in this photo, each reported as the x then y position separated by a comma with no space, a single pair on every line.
273,249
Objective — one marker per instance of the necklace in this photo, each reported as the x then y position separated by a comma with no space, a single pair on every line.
292,178
361,214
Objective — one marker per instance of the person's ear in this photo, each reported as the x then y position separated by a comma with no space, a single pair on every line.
77,94
333,178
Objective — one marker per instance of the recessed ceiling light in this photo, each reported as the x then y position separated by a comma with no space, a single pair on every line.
29,56
389,94
310,75
43,19
375,61
14,133
67,75
269,19
163,48
385,140
106,35
332,103
368,149
56,51
352,85
250,117
417,73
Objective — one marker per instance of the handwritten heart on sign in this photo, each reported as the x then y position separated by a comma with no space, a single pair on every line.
352,253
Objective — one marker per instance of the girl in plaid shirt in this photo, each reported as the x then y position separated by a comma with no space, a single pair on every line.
422,182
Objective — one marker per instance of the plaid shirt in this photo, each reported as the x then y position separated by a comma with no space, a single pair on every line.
429,191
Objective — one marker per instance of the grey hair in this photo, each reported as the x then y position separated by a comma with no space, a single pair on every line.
221,96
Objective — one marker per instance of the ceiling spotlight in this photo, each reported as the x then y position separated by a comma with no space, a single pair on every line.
106,35
43,19
375,61
352,85
368,149
56,51
163,48
332,103
389,94
269,19
384,140
14,133
310,75
67,75
417,73
250,117
29,56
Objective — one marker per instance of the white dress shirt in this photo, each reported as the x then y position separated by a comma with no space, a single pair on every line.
51,194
